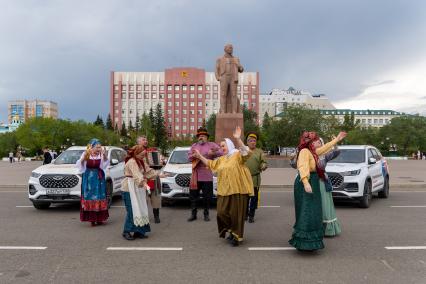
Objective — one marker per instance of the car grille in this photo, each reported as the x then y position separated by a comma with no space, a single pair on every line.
336,179
183,180
58,181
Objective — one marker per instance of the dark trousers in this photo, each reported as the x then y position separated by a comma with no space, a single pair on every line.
253,201
194,194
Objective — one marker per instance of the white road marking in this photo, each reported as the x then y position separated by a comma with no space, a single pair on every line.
21,248
387,264
271,248
270,206
406,248
145,248
409,206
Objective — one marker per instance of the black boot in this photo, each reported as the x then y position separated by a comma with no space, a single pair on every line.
128,236
206,215
193,215
251,219
156,212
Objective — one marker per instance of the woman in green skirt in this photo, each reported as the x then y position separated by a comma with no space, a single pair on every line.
329,219
308,231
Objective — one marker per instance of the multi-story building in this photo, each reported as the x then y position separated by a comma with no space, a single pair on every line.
25,109
187,96
16,122
277,100
365,118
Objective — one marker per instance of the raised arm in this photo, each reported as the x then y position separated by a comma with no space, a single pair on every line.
329,146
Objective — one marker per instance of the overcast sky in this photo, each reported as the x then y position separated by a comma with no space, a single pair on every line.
362,54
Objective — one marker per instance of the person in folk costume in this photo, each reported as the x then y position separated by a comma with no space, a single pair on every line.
202,177
134,194
308,231
256,164
331,224
94,200
152,177
234,186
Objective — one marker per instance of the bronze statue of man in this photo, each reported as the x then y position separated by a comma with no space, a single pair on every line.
227,68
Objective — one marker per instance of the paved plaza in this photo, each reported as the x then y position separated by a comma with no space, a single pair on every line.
381,244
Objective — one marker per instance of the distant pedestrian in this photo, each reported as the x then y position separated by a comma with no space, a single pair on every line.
47,157
94,201
11,157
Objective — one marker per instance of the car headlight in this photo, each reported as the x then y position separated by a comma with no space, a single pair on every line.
351,173
35,175
169,174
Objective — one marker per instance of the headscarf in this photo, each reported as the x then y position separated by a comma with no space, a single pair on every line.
134,153
306,142
94,141
231,147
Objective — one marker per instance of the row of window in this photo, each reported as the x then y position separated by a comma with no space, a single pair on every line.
361,112
176,96
375,121
176,87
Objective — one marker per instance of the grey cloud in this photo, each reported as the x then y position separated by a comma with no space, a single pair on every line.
64,50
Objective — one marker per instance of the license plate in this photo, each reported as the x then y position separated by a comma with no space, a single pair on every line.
57,191
185,190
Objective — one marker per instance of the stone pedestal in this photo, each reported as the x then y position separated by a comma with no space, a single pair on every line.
225,125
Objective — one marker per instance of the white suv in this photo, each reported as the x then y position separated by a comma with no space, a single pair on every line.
357,173
179,170
60,182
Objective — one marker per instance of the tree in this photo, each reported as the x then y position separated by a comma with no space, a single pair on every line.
160,134
250,120
99,121
349,122
108,124
123,130
211,126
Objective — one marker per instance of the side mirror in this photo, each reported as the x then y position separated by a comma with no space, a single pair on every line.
114,162
372,161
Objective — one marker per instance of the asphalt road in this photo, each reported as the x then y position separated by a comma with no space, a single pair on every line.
73,252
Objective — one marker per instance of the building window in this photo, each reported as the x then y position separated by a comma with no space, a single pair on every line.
238,88
184,96
184,119
192,127
169,112
184,87
200,96
215,96
161,96
191,119
154,87
146,88
176,127
154,96
169,87
184,111
139,95
200,112
177,87
169,96
192,87
200,87
192,104
375,121
115,87
131,87
146,95
191,111
184,104
169,120
215,88
192,96
207,88
253,87
123,88
177,120
184,127
176,96
115,96
207,96
177,111
177,104
200,104
161,87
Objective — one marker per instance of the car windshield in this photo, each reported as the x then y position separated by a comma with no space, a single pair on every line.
179,157
68,157
350,156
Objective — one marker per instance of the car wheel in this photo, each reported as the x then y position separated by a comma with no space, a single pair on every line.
41,205
384,193
109,191
366,198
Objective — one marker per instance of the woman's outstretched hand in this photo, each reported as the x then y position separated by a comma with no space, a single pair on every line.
237,133
341,135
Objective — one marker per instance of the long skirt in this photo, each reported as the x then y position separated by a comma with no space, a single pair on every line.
129,225
308,231
329,219
93,203
231,211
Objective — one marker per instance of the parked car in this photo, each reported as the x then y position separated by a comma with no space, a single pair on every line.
60,182
359,172
179,170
